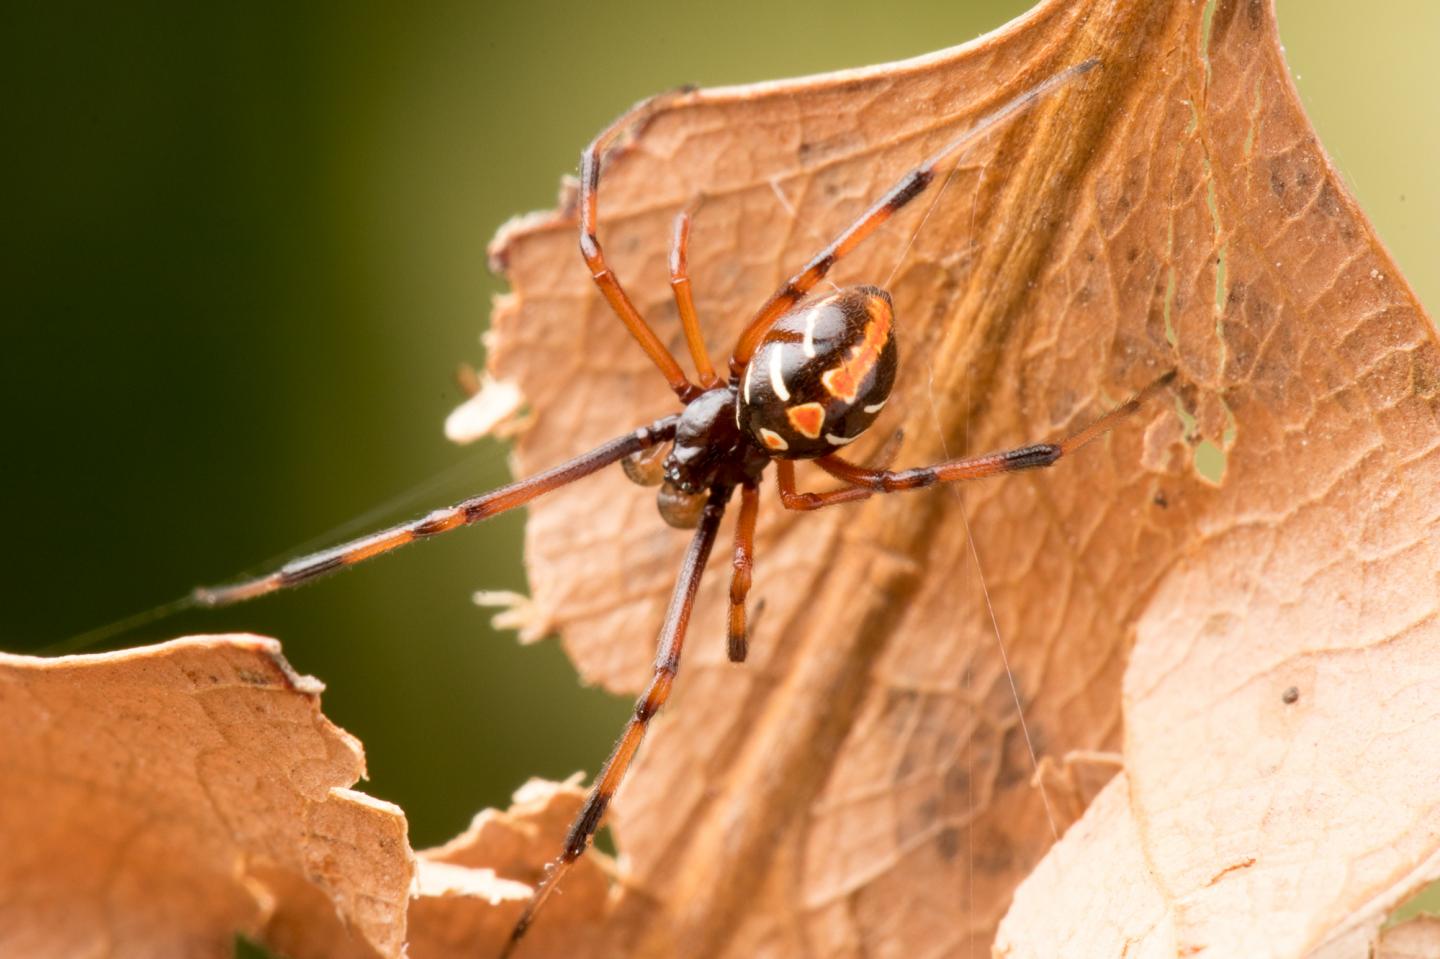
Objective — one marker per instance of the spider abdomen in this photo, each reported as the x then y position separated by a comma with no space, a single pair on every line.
821,374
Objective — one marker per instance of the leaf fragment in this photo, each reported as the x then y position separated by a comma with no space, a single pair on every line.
865,781
159,800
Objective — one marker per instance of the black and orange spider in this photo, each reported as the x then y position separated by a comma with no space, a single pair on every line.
806,378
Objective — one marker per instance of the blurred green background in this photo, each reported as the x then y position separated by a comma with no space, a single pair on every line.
244,250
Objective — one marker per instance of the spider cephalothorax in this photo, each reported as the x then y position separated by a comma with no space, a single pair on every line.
709,448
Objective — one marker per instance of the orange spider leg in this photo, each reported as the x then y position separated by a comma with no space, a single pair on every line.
594,255
685,302
742,566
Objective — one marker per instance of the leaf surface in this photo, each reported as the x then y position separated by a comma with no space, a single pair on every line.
1418,938
159,800
864,784
941,683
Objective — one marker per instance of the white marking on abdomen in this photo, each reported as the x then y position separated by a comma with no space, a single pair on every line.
834,440
809,342
749,372
777,381
872,408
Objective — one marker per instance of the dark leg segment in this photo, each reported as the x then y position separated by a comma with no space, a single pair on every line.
908,187
864,481
739,631
472,510
600,272
919,477
667,664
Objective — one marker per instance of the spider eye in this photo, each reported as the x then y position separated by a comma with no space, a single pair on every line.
680,509
647,467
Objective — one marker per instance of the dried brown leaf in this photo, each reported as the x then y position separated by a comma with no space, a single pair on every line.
157,801
463,908
1257,650
863,785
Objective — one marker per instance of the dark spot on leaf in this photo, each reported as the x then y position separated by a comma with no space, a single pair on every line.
1290,696
1235,297
992,851
1220,22
957,781
1016,764
1329,200
916,821
947,843
904,767
1277,183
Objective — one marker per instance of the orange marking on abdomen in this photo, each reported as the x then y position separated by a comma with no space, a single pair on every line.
773,439
807,418
843,382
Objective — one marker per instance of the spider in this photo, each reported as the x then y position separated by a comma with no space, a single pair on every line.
807,376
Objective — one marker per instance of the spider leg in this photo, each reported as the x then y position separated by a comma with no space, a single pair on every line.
1033,456
594,255
864,481
667,664
685,301
739,630
907,188
472,510
792,498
